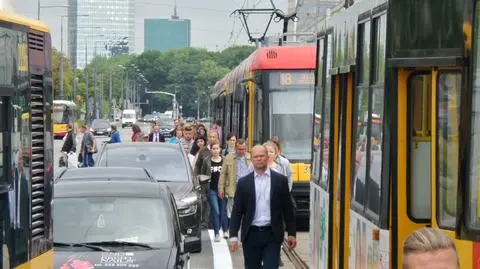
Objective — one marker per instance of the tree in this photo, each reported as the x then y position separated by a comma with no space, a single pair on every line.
67,75
231,57
189,72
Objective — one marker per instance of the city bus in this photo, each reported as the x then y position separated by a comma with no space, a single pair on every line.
271,94
64,114
26,143
397,87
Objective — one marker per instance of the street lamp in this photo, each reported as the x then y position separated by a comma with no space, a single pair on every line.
61,52
86,76
175,105
40,7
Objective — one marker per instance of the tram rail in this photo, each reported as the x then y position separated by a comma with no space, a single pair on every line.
294,257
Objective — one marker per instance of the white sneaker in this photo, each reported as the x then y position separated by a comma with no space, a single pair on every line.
226,235
217,238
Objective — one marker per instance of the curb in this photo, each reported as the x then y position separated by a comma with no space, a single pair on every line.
294,258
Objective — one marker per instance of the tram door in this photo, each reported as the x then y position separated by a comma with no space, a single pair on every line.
343,95
4,187
427,159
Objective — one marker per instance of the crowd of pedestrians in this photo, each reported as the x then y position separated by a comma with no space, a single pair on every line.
219,167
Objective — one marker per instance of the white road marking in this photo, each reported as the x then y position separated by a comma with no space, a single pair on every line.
221,254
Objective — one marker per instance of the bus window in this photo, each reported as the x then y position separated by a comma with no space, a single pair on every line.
419,179
448,116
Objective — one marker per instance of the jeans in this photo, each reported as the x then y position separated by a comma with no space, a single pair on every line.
87,160
217,212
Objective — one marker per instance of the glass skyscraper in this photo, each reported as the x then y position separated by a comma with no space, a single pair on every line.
100,27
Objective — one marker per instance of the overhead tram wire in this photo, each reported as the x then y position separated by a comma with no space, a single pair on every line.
232,33
241,21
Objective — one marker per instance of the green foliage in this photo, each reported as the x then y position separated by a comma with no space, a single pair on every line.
67,75
190,73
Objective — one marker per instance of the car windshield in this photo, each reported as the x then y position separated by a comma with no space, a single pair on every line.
100,124
166,164
165,123
149,117
129,116
99,219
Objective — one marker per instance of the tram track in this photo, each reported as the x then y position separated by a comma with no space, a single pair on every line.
293,256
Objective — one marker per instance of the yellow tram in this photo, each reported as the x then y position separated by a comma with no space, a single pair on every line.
398,94
271,94
26,143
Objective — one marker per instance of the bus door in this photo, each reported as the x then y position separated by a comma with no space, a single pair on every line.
343,96
427,161
4,184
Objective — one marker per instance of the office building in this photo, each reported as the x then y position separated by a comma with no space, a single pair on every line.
107,30
310,12
166,34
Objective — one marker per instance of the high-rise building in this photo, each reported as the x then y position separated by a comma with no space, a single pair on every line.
167,34
310,12
100,27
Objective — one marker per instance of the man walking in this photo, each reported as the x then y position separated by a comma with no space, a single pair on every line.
261,206
236,165
155,135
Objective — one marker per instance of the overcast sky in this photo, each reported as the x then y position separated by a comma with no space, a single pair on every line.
212,25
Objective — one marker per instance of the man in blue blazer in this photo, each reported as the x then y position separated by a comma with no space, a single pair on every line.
261,206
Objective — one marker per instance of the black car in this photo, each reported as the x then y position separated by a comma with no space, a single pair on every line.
169,165
100,127
105,220
166,127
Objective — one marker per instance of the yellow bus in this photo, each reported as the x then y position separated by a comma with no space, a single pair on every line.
63,115
398,93
26,144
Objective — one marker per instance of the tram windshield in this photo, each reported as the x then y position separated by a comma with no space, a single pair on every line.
62,114
291,97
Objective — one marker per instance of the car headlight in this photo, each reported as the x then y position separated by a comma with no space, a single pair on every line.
187,205
109,129
92,130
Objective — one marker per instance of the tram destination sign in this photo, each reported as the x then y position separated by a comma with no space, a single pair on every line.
282,79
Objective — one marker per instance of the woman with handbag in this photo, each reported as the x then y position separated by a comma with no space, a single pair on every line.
89,147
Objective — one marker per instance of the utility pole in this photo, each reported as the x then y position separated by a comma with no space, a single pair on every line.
86,85
95,109
86,97
110,96
208,105
100,106
61,57
74,92
198,106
